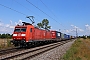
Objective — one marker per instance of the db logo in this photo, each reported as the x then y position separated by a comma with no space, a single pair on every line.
19,34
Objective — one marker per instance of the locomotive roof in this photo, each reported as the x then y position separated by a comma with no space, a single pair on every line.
26,23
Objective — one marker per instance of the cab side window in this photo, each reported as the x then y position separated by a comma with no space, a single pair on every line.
30,29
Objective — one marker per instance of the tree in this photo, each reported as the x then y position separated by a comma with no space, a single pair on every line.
8,36
0,35
5,36
44,24
39,25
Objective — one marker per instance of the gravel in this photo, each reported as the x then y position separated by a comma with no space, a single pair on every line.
54,54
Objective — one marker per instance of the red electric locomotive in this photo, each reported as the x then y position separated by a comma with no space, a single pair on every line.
27,34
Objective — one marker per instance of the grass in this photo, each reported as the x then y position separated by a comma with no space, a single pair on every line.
5,43
80,50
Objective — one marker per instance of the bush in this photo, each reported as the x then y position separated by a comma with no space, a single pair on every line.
8,36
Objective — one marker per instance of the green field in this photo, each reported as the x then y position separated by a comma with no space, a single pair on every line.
80,50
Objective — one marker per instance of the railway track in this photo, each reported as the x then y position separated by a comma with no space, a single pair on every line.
6,51
29,53
10,50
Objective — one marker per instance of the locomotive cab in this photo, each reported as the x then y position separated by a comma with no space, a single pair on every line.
22,34
19,33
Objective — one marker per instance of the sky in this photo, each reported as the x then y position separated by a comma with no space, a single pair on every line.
66,16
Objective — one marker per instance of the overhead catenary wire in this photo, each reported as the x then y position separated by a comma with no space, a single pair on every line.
26,8
47,7
53,14
43,12
50,11
13,10
21,12
40,10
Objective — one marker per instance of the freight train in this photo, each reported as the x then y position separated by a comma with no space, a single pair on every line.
27,34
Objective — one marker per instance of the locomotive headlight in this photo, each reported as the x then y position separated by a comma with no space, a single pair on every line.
23,34
14,34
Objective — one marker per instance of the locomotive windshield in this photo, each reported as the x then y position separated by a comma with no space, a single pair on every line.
20,30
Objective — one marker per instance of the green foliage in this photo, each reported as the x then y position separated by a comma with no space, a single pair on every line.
3,36
70,53
88,36
39,25
8,43
8,36
73,51
78,58
44,24
84,37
